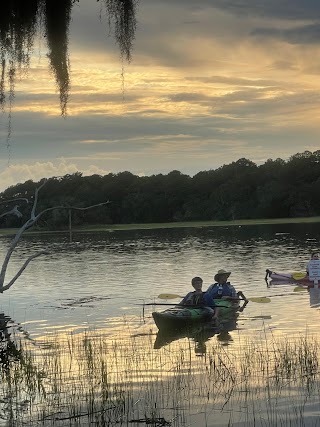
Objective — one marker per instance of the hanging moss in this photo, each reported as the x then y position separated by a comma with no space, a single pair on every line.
57,20
122,13
18,23
21,20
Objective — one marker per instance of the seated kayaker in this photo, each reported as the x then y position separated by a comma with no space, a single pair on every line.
195,297
222,288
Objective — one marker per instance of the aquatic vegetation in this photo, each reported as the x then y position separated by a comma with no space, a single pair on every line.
89,380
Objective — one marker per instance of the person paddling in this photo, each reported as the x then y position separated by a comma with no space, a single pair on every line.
222,288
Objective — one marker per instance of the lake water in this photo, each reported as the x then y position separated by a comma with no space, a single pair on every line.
99,279
99,282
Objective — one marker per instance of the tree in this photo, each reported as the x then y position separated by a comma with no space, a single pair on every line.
34,217
22,20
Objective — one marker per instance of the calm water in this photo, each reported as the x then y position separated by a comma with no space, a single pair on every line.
100,279
99,282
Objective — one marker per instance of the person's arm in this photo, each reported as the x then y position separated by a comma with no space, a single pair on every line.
240,295
208,299
184,301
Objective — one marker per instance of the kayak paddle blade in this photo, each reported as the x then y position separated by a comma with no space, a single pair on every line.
262,300
169,296
298,276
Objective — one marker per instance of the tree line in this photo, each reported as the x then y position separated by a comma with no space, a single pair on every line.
239,190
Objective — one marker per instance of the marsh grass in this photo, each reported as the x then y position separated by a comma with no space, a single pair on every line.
88,380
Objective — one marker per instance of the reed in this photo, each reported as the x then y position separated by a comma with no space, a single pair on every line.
89,380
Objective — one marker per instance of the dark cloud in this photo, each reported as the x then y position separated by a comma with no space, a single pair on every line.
281,9
52,136
307,34
273,107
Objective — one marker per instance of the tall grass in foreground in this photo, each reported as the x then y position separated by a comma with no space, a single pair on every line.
89,381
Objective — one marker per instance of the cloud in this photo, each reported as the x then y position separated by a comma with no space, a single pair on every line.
279,9
210,81
307,34
21,172
235,81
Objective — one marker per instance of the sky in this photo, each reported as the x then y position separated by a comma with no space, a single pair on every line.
210,82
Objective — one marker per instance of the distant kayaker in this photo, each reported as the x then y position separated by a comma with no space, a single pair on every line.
195,297
314,256
222,288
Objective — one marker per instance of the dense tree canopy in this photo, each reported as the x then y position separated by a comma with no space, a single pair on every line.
22,20
239,190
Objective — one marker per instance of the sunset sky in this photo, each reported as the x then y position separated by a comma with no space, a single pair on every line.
210,81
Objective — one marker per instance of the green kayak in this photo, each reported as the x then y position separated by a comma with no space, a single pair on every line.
226,307
182,316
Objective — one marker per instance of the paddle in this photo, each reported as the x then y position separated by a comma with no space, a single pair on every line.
295,276
258,299
267,299
169,296
181,305
298,275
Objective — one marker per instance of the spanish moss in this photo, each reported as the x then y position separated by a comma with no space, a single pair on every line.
122,13
57,20
20,22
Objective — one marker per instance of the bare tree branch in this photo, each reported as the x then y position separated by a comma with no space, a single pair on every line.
35,201
4,288
14,211
29,223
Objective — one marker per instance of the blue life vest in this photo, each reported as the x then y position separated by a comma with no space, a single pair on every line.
218,291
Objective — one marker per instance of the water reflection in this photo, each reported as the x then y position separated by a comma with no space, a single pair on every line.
200,334
314,294
9,349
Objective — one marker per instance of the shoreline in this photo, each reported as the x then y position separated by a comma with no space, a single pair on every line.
151,226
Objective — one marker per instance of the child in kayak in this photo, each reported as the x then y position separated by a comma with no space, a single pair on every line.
195,297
